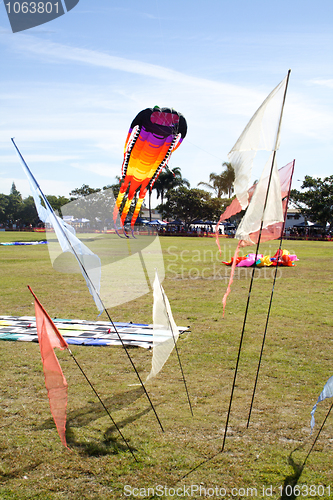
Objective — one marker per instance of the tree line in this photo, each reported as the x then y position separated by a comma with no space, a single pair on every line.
18,212
178,200
315,201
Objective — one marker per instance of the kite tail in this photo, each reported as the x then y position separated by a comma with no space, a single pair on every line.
231,279
117,206
125,210
217,233
137,210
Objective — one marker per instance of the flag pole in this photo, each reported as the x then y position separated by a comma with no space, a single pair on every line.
86,275
254,265
271,298
178,356
273,160
100,400
59,334
314,442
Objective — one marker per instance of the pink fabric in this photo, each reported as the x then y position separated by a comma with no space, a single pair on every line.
231,279
250,259
164,118
49,337
272,232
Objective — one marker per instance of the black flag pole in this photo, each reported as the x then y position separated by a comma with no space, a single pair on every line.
317,436
176,348
271,299
87,277
85,376
102,403
254,265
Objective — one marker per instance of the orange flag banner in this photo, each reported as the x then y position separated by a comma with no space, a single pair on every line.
49,337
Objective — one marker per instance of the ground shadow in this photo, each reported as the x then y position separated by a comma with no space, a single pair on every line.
288,492
95,448
112,442
93,411
19,472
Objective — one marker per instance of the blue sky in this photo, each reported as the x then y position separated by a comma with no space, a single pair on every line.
70,88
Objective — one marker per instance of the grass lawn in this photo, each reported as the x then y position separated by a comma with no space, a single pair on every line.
297,362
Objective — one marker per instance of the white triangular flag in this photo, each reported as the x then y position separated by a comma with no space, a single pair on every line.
260,134
166,332
255,213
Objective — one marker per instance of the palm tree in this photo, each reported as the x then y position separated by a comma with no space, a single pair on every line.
169,179
221,183
229,177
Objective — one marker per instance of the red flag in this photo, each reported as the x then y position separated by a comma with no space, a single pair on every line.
49,337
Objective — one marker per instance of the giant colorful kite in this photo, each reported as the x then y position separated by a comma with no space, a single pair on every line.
153,136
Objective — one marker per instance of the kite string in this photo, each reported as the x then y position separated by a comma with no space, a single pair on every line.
216,454
199,465
245,318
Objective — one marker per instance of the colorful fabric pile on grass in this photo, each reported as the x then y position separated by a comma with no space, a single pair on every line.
281,258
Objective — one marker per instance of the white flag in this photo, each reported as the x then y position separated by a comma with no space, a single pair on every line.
260,134
255,213
90,264
166,332
327,392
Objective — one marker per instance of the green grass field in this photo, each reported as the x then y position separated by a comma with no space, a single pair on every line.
296,364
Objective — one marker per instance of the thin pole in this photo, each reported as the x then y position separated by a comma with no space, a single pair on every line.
271,299
322,425
84,271
254,266
174,340
238,358
67,347
100,400
246,311
183,376
136,371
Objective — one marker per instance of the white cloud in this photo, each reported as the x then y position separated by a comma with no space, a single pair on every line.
102,169
324,83
35,158
84,125
61,53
